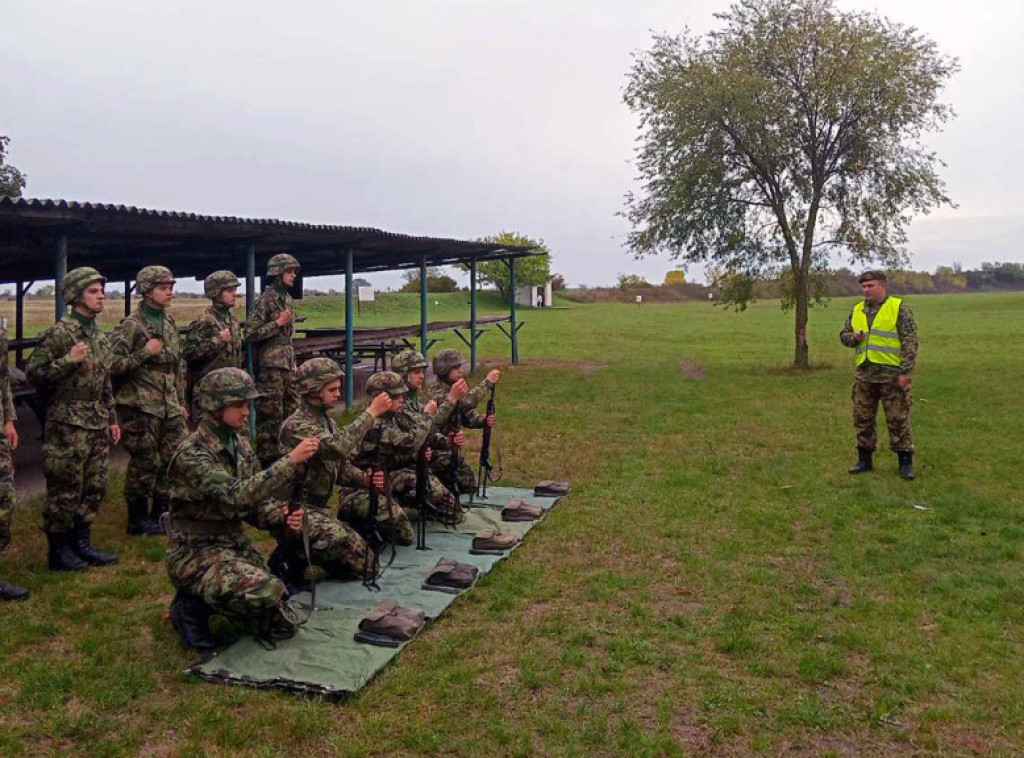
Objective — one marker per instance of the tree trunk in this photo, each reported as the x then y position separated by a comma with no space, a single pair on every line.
801,353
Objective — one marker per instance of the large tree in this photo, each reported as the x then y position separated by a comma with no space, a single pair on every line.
791,134
12,181
531,269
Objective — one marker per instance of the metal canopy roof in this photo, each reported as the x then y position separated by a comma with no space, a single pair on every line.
119,240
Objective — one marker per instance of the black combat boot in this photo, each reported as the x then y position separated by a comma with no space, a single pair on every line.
138,518
10,591
81,543
160,505
190,617
864,463
60,556
906,464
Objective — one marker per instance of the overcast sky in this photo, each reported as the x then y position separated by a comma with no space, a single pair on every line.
457,118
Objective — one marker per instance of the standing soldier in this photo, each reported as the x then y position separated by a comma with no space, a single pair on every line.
269,327
218,486
149,370
882,331
448,370
333,545
8,442
214,339
71,369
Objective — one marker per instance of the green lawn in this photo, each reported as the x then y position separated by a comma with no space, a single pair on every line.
715,584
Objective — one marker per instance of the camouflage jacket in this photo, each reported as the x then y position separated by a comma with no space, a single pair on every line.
6,398
273,343
398,448
906,328
210,485
155,384
203,348
412,416
321,471
438,390
78,394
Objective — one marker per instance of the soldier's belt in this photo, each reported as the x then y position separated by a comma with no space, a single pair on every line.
71,396
163,368
189,528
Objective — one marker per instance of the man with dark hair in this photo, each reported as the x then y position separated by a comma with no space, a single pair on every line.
882,331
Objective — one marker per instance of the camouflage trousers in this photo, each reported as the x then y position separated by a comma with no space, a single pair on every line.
279,399
896,403
75,465
441,465
403,488
392,520
334,546
150,441
6,493
229,574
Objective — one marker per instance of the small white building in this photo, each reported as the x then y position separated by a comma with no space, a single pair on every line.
534,295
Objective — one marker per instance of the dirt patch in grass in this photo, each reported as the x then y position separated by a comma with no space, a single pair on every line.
691,369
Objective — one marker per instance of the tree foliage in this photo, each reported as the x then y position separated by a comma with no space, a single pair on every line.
436,281
12,181
791,134
531,269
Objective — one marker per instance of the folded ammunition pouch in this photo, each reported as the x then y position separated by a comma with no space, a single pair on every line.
493,541
549,488
391,620
518,509
181,527
450,574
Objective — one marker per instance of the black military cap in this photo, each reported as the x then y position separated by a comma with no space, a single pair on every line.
876,275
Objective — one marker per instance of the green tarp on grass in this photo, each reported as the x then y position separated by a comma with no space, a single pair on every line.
322,657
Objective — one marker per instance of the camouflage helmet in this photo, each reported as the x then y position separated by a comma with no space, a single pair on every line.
218,281
408,360
386,381
281,263
445,361
312,375
223,387
150,276
75,281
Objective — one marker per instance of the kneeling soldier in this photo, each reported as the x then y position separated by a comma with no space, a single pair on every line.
8,442
71,369
216,486
333,545
448,370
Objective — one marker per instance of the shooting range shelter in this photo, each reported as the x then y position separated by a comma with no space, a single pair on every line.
42,239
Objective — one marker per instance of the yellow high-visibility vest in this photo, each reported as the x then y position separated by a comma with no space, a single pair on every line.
882,345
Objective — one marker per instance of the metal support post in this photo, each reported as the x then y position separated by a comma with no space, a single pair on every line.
250,300
19,321
423,304
127,298
61,270
513,328
349,333
472,315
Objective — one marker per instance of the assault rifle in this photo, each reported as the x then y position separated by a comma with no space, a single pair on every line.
374,539
486,471
456,459
422,472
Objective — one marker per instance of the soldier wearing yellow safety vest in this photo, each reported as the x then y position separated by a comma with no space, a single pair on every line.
883,333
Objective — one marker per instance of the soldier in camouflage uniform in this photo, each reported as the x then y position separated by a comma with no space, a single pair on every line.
333,545
448,370
8,442
150,374
269,328
391,448
71,368
214,339
882,331
217,486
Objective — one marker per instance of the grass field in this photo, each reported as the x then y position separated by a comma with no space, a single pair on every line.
716,584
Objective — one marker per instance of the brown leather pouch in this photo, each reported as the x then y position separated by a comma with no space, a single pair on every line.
517,509
450,574
390,619
491,542
550,488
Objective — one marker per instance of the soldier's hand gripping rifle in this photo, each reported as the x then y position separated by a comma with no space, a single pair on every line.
288,546
374,539
486,471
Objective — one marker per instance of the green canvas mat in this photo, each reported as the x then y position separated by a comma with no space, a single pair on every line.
322,657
